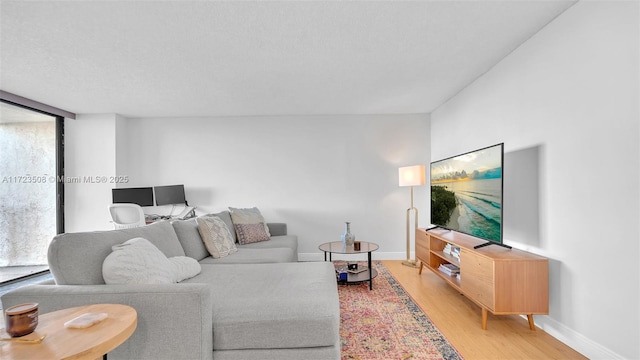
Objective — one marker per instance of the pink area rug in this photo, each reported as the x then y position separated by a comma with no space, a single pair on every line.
386,323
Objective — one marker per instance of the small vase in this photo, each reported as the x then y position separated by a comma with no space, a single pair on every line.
348,238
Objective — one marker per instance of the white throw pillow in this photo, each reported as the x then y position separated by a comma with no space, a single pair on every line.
138,261
184,267
216,236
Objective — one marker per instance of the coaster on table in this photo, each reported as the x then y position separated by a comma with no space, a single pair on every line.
85,320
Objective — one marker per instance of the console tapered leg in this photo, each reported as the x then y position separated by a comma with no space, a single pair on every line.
484,319
532,326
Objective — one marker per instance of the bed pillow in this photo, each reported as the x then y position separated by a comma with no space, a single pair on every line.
216,236
138,261
249,225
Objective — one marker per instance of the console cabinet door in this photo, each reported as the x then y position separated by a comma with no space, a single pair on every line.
477,278
422,246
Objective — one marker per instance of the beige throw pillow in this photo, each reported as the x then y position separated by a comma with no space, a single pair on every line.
249,225
216,236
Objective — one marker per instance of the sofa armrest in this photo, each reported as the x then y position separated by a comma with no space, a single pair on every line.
277,229
175,321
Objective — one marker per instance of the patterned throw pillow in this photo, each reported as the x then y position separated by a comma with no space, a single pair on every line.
216,236
249,225
250,233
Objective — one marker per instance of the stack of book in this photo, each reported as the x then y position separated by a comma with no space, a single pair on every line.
455,252
449,269
447,249
452,250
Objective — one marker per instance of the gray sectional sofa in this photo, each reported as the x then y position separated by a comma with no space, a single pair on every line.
257,303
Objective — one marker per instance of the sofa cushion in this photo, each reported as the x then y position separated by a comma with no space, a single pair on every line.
76,258
189,237
277,229
254,256
216,236
137,261
284,241
272,306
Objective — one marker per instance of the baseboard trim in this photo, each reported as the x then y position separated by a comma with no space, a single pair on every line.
574,339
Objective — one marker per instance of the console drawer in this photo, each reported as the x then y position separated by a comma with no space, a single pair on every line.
477,278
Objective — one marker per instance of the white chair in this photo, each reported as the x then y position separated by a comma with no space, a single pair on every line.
126,216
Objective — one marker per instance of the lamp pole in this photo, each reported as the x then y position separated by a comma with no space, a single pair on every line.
409,262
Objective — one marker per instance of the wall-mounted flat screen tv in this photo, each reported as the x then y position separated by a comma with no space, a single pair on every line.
170,195
142,196
466,193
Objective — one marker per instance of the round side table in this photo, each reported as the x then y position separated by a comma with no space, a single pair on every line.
337,247
63,343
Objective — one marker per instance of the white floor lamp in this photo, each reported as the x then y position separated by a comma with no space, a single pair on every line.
411,176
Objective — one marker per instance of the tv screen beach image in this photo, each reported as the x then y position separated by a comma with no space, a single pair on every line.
466,193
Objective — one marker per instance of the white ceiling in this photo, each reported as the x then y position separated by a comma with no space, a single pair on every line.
210,58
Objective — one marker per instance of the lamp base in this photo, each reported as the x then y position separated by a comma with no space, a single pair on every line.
410,263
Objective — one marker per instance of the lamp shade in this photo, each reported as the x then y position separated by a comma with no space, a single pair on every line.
411,175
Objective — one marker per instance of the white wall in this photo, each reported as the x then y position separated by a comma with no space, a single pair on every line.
314,173
121,151
90,167
570,96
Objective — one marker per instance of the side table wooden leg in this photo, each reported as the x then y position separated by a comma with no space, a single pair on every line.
420,268
532,326
484,319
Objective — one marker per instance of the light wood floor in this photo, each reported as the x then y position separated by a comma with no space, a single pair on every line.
506,337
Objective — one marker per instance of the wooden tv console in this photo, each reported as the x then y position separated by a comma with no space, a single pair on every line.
503,281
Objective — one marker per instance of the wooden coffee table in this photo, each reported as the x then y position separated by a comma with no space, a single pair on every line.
337,247
62,343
